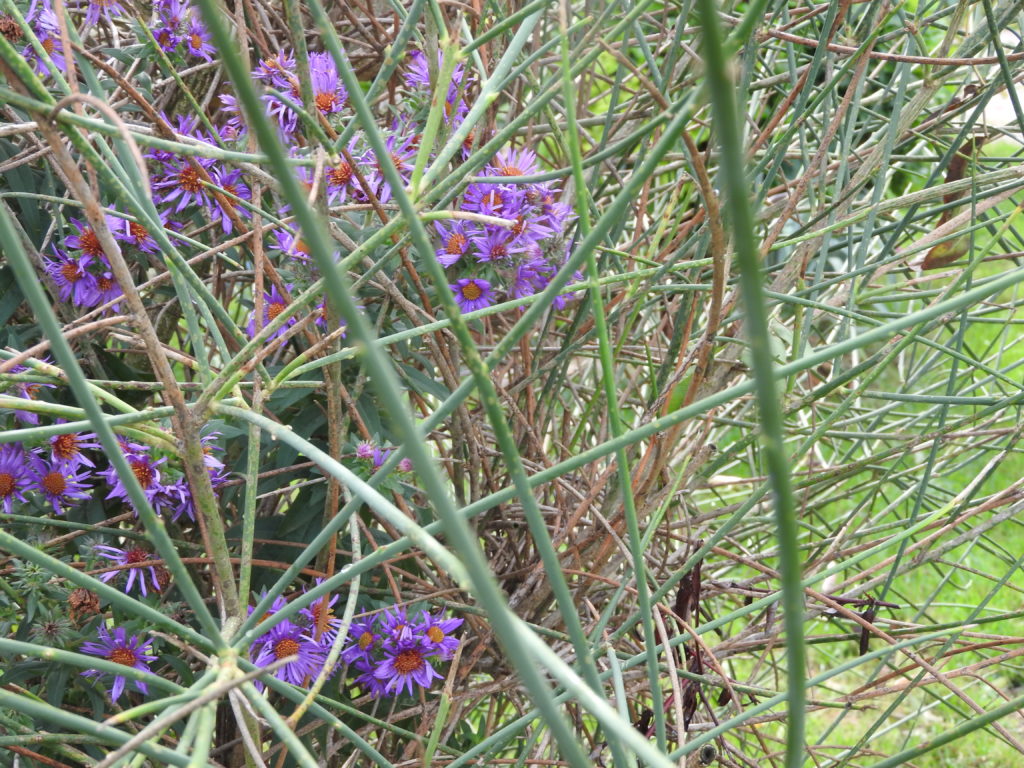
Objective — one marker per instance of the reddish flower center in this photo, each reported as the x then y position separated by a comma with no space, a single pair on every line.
499,251
409,661
70,272
275,309
365,640
195,41
66,446
137,231
519,227
104,284
164,39
6,484
456,244
54,483
435,633
231,189
48,45
136,555
468,141
286,647
493,199
143,473
300,246
122,655
90,243
326,102
341,175
471,291
188,179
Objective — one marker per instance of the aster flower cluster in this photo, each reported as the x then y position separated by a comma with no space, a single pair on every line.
519,259
180,30
120,648
391,653
280,76
61,474
81,270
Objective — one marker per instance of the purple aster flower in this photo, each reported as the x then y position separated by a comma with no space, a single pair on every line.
86,240
495,244
107,289
472,294
235,125
341,179
493,200
122,649
380,456
172,12
231,182
437,634
405,664
45,26
402,151
366,679
135,234
291,245
28,390
277,605
197,41
167,38
179,180
75,283
106,8
405,465
364,450
61,487
328,93
287,639
130,556
175,497
417,73
312,613
513,162
454,241
530,229
321,319
276,70
365,641
18,470
66,449
144,469
273,305
395,626
532,276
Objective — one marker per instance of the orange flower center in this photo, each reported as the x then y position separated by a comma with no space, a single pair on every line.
409,661
365,640
196,41
188,179
340,175
105,284
54,483
325,102
471,291
300,246
436,634
143,473
91,243
510,170
6,484
275,309
286,647
456,244
66,446
48,45
124,656
70,272
493,199
137,231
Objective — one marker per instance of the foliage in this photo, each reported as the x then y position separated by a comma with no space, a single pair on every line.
507,383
